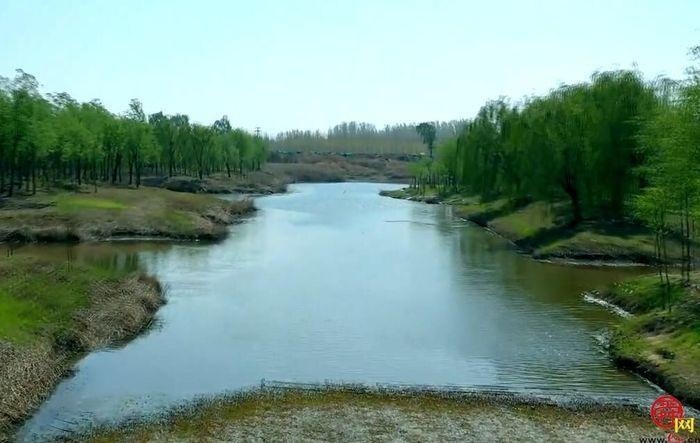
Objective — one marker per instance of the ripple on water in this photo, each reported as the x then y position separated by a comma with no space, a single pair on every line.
318,286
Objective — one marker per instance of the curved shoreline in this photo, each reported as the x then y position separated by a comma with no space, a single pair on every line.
117,310
634,344
550,242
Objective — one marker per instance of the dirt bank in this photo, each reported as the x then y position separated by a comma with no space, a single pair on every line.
117,212
52,313
352,415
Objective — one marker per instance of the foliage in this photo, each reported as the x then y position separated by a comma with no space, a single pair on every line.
427,132
53,139
357,137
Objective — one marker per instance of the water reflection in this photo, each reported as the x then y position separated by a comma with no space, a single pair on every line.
119,255
333,282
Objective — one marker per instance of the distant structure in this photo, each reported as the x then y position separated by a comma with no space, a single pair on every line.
257,131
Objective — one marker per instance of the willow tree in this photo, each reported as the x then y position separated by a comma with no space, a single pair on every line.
427,132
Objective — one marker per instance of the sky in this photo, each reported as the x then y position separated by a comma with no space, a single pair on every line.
308,64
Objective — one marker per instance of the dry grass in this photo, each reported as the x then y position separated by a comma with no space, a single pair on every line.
59,312
113,212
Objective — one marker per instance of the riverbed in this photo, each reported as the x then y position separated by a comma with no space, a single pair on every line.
332,282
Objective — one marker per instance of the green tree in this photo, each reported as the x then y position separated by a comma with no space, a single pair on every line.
427,132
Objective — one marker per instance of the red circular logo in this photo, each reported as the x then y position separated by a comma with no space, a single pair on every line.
665,410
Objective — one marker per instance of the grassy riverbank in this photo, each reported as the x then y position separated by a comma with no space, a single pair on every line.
117,212
661,344
51,313
346,415
544,230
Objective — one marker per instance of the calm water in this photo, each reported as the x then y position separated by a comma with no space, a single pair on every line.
333,282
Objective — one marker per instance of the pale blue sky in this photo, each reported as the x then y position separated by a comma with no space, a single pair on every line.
310,64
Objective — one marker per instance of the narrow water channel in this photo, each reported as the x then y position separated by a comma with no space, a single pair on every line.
334,282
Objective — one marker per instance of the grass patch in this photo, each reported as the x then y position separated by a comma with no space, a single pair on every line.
145,212
528,221
644,294
39,298
53,311
587,241
662,344
75,203
544,229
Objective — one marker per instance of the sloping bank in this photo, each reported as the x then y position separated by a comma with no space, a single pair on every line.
544,231
54,312
118,212
660,343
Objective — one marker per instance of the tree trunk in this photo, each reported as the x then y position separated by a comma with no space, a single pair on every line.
573,194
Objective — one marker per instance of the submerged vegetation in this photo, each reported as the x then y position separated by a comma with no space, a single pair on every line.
356,414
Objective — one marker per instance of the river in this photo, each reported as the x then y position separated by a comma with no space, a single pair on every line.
333,282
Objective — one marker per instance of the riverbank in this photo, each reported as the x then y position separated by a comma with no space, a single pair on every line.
661,344
544,230
112,212
286,168
343,414
53,312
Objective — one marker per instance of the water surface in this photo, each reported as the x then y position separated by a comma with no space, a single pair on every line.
333,282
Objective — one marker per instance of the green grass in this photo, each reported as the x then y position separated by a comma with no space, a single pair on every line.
527,221
38,298
77,203
644,294
601,244
663,344
147,212
481,212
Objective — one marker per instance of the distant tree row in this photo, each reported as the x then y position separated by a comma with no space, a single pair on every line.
354,137
54,139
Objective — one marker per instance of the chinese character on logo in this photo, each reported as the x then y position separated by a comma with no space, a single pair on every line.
684,424
665,410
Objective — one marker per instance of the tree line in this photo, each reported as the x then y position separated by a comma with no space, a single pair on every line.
53,139
616,148
358,137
